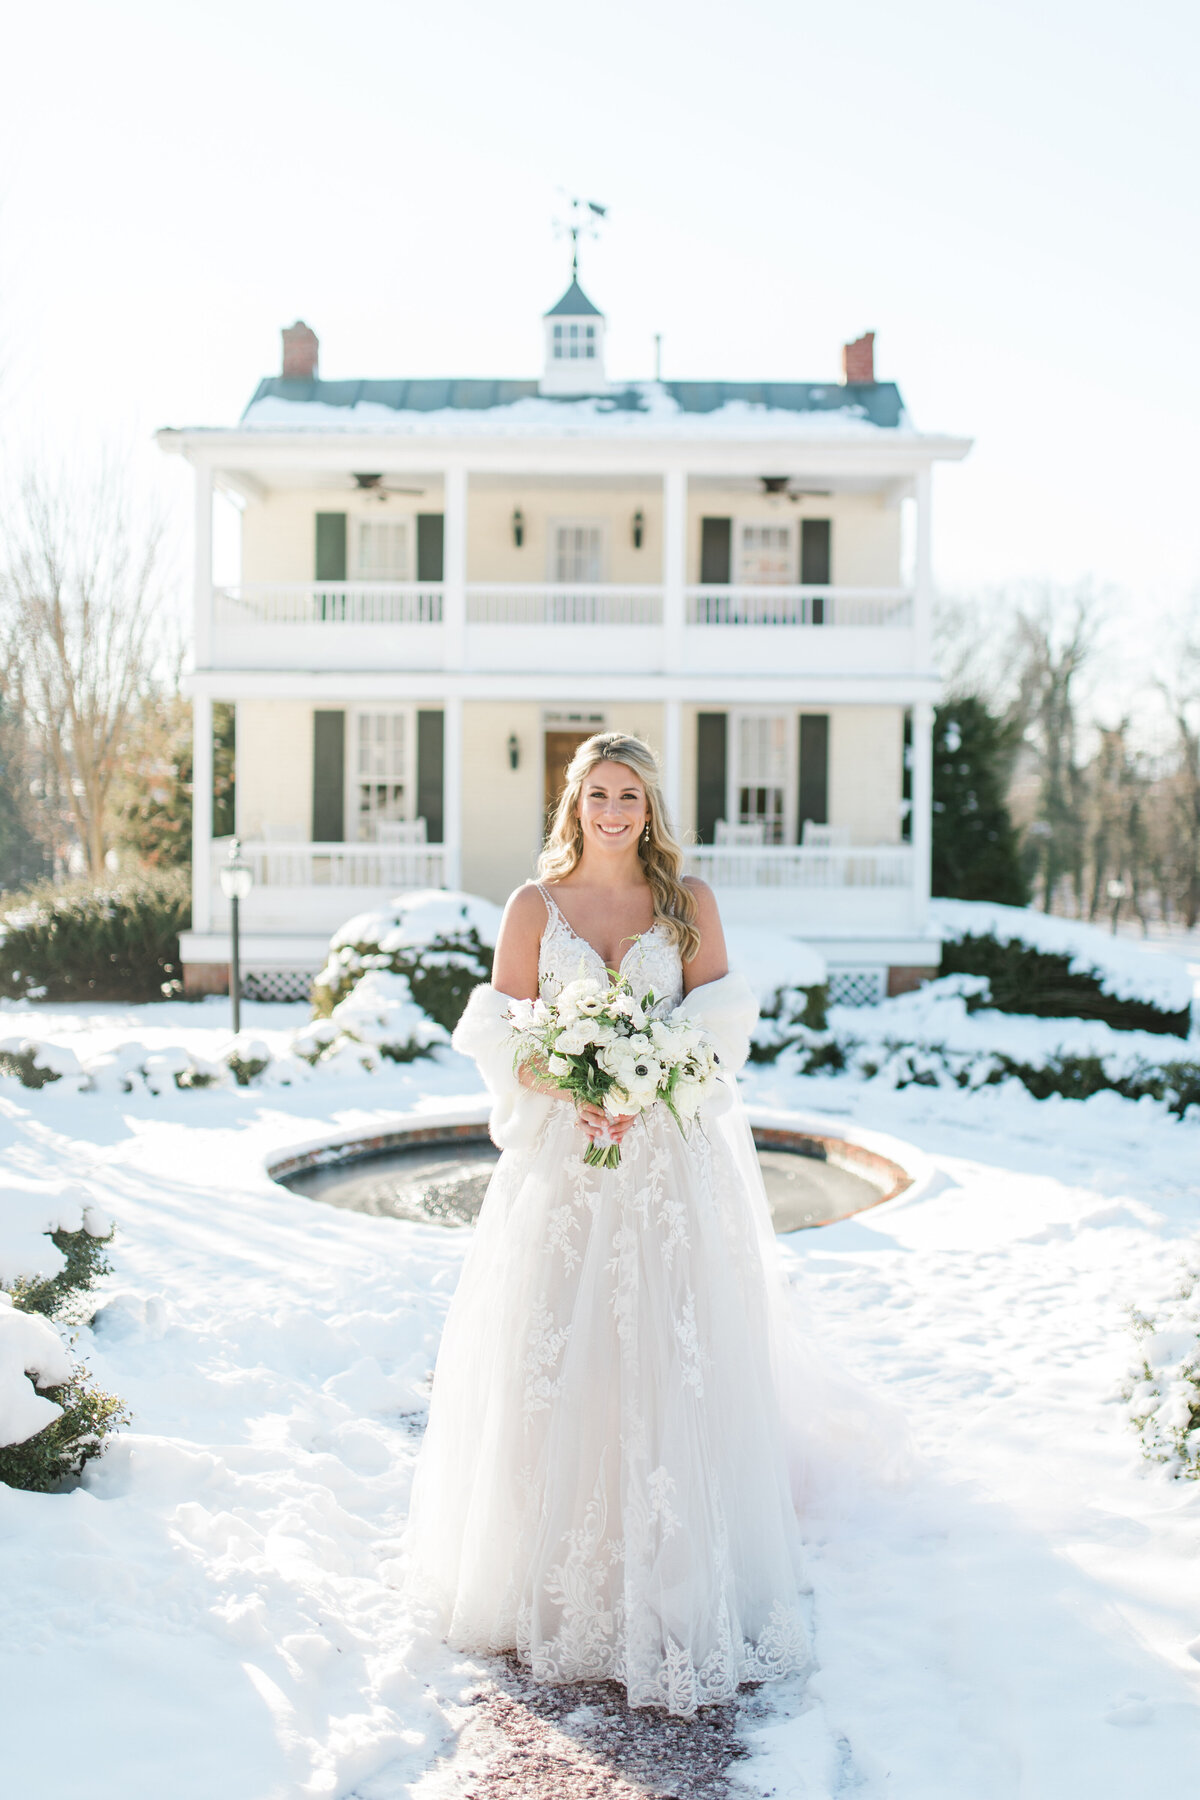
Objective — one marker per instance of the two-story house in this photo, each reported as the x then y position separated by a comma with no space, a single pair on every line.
446,584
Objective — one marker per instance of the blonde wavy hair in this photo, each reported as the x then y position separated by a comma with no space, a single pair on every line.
661,857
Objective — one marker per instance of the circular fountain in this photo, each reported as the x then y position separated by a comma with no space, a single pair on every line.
438,1175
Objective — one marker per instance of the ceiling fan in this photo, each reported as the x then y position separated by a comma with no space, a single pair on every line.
375,484
779,484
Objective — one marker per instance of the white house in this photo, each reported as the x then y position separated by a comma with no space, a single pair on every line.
446,584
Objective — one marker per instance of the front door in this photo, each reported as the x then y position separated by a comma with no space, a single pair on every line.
560,748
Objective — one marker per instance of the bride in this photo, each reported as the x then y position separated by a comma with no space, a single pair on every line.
603,1485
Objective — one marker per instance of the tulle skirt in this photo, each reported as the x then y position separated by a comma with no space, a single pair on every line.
604,1485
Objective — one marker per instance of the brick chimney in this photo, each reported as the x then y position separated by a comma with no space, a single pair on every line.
299,352
858,359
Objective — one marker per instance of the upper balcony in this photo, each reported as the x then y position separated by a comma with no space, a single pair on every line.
483,572
510,626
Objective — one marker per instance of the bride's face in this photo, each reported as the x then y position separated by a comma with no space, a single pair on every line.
612,808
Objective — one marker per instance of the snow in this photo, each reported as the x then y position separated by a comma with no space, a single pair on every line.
658,416
218,1598
770,960
29,1346
417,917
1121,966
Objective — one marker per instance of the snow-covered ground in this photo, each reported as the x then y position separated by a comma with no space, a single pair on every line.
214,1612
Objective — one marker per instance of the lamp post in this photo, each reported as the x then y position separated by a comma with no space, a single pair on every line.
237,878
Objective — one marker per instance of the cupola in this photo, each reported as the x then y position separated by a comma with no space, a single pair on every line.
574,352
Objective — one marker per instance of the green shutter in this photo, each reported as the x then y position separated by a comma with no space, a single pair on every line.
430,539
331,547
816,560
716,553
814,771
430,767
710,773
329,778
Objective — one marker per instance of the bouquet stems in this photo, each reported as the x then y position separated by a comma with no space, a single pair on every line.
602,1156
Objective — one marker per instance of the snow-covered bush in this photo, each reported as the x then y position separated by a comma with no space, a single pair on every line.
1057,968
947,1035
35,1064
379,1012
53,1419
1162,1393
441,943
119,941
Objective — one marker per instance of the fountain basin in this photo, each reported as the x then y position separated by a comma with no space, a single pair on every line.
438,1175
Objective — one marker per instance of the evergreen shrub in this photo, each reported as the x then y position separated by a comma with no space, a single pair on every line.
57,1454
57,1296
116,941
1023,979
433,941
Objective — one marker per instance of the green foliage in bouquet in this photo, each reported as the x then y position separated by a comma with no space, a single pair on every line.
119,941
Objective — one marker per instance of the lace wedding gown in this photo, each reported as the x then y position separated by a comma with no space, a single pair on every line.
603,1483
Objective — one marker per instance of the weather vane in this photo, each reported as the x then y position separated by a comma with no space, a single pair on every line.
583,220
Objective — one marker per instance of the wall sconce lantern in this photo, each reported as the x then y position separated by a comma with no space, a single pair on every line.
518,527
514,750
639,528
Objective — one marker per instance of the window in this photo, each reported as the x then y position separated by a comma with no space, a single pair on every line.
762,765
766,555
380,772
574,343
578,553
381,550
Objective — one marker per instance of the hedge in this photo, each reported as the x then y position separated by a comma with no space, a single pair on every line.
118,941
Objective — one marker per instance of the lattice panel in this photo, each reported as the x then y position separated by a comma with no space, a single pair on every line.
276,984
857,987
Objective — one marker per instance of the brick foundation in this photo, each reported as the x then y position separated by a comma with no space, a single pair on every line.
205,978
903,979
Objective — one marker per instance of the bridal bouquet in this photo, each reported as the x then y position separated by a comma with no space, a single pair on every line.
600,1045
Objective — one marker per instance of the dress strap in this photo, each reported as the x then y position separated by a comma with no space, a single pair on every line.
552,905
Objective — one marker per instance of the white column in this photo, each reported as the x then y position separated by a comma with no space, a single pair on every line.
202,805
452,784
202,594
454,566
923,571
672,759
674,566
922,807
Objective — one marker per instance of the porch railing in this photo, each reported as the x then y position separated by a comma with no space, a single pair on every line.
519,603
330,603
347,865
854,607
509,603
798,866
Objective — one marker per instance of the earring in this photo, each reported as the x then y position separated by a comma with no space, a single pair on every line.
646,833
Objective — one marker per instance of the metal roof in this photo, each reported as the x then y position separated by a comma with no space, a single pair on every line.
575,303
877,402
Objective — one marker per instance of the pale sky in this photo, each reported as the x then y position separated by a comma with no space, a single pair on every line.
1003,192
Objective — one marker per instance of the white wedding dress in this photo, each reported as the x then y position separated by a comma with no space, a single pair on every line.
603,1485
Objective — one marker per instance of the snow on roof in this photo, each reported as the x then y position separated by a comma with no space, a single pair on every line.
1123,969
641,409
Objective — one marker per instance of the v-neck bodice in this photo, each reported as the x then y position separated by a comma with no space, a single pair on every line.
651,964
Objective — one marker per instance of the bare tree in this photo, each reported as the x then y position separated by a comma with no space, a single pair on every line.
1057,631
1181,690
83,592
